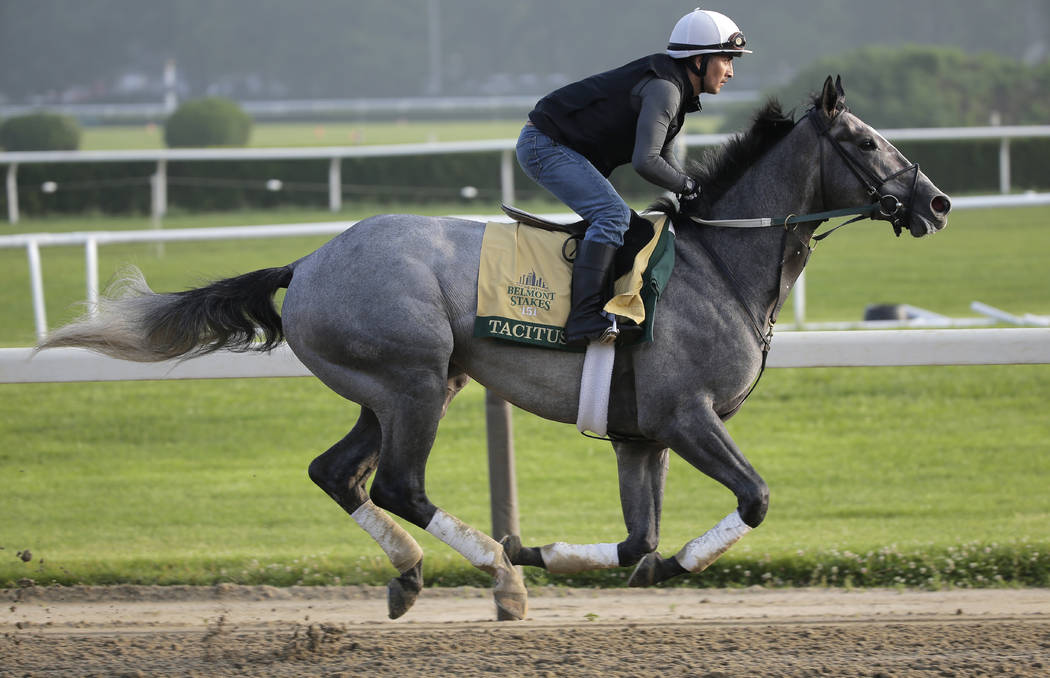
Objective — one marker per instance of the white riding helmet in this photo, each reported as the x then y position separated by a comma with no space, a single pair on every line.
703,31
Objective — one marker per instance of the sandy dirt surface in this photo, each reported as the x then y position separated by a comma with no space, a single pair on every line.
235,630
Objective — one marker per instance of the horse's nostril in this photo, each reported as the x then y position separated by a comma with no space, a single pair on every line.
941,204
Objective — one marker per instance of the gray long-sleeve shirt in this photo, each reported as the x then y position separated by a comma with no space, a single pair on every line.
652,158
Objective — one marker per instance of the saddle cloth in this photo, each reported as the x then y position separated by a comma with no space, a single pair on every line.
525,280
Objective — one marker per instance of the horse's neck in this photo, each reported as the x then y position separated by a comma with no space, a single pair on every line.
786,180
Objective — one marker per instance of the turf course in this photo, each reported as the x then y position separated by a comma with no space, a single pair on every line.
879,476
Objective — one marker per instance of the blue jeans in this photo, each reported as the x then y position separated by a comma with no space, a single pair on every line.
577,183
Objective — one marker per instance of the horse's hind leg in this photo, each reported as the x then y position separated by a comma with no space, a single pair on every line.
409,430
342,472
643,471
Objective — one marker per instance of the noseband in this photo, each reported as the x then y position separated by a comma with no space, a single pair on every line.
890,207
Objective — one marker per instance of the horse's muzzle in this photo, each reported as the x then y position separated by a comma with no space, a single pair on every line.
927,212
933,218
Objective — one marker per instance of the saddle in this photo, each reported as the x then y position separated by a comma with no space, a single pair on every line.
526,269
639,233
642,268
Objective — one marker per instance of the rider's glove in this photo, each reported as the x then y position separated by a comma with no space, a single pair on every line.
689,196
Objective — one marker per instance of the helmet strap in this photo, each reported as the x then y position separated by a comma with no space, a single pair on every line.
700,70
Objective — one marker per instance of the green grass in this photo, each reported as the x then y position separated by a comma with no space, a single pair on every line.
133,137
204,482
879,476
994,256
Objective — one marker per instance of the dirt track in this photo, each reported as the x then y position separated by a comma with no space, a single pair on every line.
229,630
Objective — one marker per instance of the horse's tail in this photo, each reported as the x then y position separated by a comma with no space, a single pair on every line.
133,322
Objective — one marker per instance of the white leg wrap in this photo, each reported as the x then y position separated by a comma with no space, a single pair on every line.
562,558
569,558
481,550
705,549
398,544
486,554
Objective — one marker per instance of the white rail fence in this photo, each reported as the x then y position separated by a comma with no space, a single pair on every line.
335,154
32,242
873,348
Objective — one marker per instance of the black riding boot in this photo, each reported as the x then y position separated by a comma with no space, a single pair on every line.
591,280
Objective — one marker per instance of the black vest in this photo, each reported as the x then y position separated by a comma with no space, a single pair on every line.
597,117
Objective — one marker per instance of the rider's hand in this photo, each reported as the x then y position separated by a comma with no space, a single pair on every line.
689,197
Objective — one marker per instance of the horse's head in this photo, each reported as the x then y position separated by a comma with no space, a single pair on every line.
858,166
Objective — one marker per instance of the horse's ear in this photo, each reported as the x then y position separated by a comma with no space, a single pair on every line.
838,88
829,98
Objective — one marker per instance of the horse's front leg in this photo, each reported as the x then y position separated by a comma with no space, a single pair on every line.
642,470
702,440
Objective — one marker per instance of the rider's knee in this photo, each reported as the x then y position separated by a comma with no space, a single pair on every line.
753,505
609,224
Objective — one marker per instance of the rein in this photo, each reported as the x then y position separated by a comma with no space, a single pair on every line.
871,211
883,206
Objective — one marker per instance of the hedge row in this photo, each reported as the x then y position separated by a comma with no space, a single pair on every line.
966,565
40,132
120,188
212,121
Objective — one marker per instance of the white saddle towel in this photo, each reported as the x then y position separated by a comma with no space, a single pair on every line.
593,412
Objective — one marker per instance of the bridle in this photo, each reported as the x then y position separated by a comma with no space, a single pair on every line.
890,207
882,206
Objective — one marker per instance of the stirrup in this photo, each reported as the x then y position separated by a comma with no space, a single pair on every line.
611,334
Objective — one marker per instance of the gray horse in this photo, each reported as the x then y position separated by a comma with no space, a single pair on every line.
384,315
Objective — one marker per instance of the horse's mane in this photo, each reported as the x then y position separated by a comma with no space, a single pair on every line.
722,167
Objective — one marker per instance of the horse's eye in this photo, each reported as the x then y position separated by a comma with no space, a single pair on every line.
868,145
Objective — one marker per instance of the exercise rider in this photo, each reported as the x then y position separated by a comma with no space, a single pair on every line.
577,135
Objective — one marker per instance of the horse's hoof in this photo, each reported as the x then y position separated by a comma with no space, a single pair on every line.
511,606
512,599
402,591
647,572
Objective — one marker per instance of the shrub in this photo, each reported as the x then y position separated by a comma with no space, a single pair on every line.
40,132
208,122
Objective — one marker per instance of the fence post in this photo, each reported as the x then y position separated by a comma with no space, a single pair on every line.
1004,165
503,485
996,119
36,283
506,177
335,185
159,200
91,274
159,195
12,193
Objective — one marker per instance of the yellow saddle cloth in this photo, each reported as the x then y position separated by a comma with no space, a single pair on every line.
525,280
